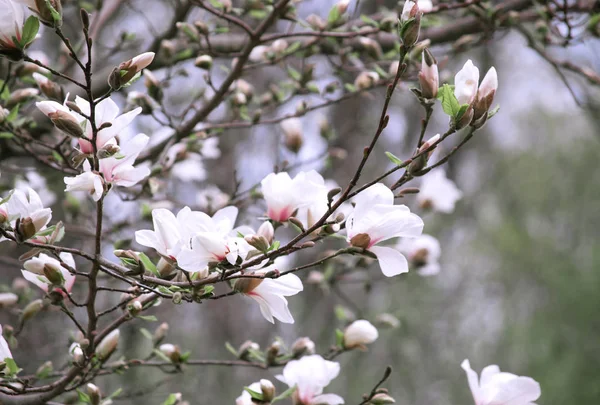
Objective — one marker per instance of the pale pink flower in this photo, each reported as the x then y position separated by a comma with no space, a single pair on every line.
34,270
438,192
423,252
11,24
360,333
466,82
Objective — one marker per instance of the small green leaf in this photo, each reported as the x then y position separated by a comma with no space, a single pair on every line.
393,158
231,349
13,369
255,394
450,104
30,30
148,264
293,47
13,113
461,111
6,135
334,15
171,400
149,318
258,14
339,338
146,333
275,245
161,355
493,111
294,74
350,87
83,397
369,21
113,395
285,394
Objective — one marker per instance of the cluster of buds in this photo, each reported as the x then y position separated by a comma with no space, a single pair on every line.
479,98
126,71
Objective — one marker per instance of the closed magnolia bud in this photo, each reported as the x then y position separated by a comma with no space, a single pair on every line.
202,27
26,229
67,123
135,307
359,333
8,299
76,353
362,240
410,30
20,96
44,12
279,46
48,88
204,62
272,352
259,242
316,22
268,390
428,76
244,87
53,274
108,345
93,393
171,351
267,231
160,333
108,150
365,80
381,399
302,347
128,69
245,349
342,6
465,119
177,298
239,99
32,309
485,94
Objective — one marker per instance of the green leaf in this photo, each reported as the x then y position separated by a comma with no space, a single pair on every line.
350,87
83,397
114,394
462,110
285,394
393,158
146,333
369,21
30,30
450,104
148,264
293,47
13,369
5,199
493,111
161,355
13,113
6,92
231,349
185,356
258,14
255,394
275,245
149,318
6,135
171,400
55,14
294,74
339,338
334,15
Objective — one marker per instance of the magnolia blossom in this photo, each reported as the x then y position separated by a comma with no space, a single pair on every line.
466,82
246,398
376,219
438,192
106,112
4,349
410,9
213,239
27,205
11,24
310,375
500,388
86,181
285,195
119,170
425,5
108,345
360,333
429,76
423,252
39,269
259,53
8,299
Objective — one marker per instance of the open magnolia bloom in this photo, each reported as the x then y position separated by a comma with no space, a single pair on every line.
45,271
438,193
11,24
376,219
270,293
310,375
212,241
27,206
106,112
500,388
423,253
285,195
4,349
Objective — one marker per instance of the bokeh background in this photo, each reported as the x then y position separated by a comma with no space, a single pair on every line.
521,253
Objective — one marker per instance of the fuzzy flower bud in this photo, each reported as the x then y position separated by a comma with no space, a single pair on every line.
267,231
160,333
108,345
204,62
67,123
8,299
171,351
303,346
365,80
428,76
93,393
382,399
48,88
485,94
76,353
245,349
128,69
292,130
32,309
268,390
359,333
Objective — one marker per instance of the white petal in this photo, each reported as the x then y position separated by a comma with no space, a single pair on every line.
391,261
327,399
473,379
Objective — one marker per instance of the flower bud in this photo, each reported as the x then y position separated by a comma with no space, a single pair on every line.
201,27
428,76
411,29
108,345
165,267
302,347
387,321
279,46
359,333
8,299
3,114
25,229
128,69
67,123
76,353
239,99
381,399
365,80
32,309
244,87
267,231
171,351
361,240
342,6
204,62
485,94
108,150
465,119
245,349
160,332
371,47
93,393
177,298
259,242
410,10
272,352
53,274
246,284
268,390
44,12
316,22
135,307
48,88
292,130
20,96
189,30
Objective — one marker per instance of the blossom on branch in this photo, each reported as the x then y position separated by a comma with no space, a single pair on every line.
500,388
360,333
28,210
423,252
310,375
376,219
86,181
45,271
285,195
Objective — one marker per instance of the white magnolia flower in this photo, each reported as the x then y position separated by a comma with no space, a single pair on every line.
285,195
360,333
27,204
500,388
407,10
425,5
259,53
376,219
34,270
246,398
489,83
214,241
270,293
310,375
11,24
4,349
423,252
211,198
86,181
438,192
119,169
466,82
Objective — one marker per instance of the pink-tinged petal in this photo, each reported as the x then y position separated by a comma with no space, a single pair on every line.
466,82
329,399
473,379
489,83
391,261
36,279
130,176
224,219
488,373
